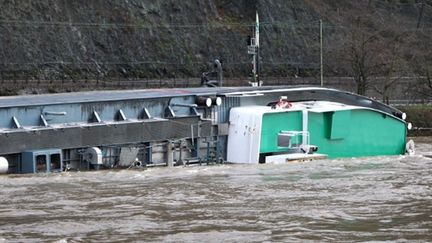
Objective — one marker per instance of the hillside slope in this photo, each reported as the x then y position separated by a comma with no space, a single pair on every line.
59,39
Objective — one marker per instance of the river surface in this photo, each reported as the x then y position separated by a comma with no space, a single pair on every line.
367,199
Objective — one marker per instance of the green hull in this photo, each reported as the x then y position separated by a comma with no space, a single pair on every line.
356,133
343,133
273,123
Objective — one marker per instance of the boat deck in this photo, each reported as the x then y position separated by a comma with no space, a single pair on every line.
292,158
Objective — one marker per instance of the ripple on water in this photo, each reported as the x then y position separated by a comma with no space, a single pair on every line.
367,199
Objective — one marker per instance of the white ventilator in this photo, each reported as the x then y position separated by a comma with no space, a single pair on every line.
93,156
4,165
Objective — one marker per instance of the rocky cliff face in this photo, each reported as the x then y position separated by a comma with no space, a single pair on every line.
62,39
132,37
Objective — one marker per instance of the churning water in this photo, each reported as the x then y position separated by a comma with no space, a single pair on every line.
367,199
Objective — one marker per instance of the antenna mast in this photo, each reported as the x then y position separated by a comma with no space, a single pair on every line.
253,49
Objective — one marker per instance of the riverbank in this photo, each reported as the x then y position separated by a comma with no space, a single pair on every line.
421,118
422,139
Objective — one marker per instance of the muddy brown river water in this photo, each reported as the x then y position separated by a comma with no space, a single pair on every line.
366,199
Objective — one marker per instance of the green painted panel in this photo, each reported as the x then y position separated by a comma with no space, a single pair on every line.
366,133
339,121
273,123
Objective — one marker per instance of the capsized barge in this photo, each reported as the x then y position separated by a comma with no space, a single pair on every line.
105,129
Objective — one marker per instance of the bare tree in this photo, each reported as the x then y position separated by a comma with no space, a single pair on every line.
423,74
362,50
392,67
421,65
